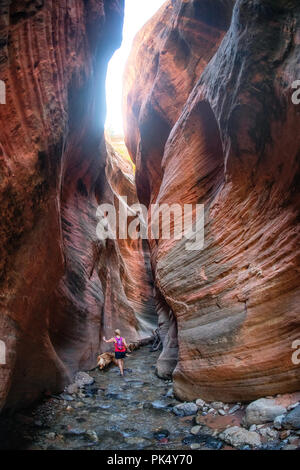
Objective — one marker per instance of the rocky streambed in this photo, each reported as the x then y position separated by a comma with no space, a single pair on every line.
105,411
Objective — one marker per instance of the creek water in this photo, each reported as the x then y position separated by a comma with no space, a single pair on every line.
115,413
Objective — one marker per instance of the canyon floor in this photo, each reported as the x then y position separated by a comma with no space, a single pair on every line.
125,413
128,413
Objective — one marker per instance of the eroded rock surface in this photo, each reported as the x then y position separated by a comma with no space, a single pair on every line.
212,121
61,289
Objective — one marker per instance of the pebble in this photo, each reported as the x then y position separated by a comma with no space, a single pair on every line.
195,446
160,434
92,435
200,403
195,430
78,404
217,405
136,441
278,422
291,407
185,409
234,409
66,397
50,436
284,434
222,412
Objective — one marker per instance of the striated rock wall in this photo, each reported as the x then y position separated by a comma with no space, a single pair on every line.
60,289
227,137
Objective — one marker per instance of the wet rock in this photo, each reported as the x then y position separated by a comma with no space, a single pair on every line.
292,419
290,447
66,397
104,406
82,378
239,437
268,433
291,407
284,434
78,405
72,388
90,391
137,441
185,409
273,445
170,393
92,435
50,436
234,409
195,446
161,434
204,439
74,432
200,403
278,422
217,405
195,430
159,404
263,410
113,396
81,420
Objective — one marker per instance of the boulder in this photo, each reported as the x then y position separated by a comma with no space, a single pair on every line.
292,419
262,411
185,409
239,437
82,378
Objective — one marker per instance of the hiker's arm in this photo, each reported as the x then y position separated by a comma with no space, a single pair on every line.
111,340
125,344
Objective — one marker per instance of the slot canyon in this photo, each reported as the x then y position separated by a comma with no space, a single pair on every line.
209,118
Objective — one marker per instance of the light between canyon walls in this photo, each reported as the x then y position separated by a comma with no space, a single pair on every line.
61,289
209,119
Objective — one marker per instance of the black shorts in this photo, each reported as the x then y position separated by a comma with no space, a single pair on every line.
120,355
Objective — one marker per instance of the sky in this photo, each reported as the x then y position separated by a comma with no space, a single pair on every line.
137,13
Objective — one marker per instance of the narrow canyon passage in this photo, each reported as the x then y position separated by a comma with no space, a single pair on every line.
211,118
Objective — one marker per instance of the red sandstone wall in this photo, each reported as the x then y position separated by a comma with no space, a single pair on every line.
213,122
57,299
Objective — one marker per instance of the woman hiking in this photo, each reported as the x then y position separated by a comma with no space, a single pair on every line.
120,349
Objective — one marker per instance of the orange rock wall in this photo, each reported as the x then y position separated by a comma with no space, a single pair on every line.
60,289
210,119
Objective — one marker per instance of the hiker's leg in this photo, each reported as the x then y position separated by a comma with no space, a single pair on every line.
119,361
122,366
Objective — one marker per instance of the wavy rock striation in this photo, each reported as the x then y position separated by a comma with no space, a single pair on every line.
61,289
210,120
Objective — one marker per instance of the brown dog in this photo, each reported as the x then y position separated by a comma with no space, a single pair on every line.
105,359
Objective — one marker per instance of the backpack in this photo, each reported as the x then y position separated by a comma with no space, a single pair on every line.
120,343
